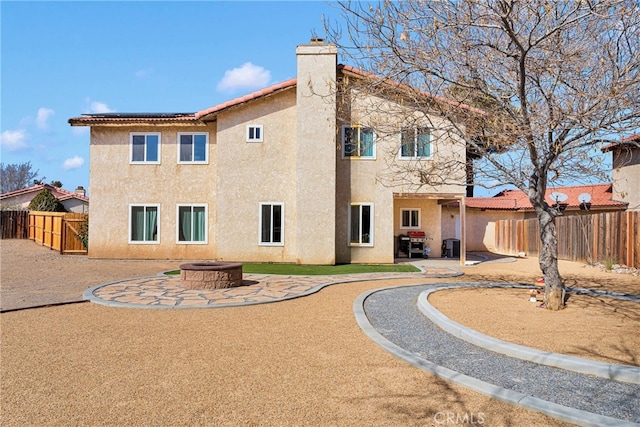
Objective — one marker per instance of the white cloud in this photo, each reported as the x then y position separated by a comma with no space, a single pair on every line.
142,73
43,117
74,162
100,107
248,76
96,107
13,140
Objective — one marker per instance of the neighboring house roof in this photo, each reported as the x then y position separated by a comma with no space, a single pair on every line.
58,193
518,200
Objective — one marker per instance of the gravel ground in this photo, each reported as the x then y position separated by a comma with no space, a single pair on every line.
33,275
395,315
298,362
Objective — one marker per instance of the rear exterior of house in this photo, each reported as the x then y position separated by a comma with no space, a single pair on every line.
276,176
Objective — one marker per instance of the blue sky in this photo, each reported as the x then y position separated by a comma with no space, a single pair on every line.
63,59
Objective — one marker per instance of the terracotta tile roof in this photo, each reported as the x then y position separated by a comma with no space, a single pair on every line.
59,193
246,98
197,117
209,113
126,118
451,102
512,199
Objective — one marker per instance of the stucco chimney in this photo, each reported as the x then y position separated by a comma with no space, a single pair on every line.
80,190
316,135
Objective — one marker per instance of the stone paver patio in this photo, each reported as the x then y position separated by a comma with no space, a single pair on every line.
164,291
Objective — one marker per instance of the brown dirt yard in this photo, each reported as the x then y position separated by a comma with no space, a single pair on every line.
298,362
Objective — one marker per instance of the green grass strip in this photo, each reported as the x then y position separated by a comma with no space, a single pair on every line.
321,270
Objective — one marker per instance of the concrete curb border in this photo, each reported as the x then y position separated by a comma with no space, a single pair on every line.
564,413
623,373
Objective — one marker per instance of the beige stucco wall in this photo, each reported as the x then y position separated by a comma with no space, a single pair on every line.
251,173
480,231
626,176
430,219
315,154
115,184
299,164
366,180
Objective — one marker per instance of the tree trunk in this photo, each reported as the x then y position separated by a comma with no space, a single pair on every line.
548,258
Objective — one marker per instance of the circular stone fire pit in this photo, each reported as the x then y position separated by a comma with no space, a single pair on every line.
211,275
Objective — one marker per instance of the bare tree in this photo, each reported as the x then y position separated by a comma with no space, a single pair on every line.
16,176
554,81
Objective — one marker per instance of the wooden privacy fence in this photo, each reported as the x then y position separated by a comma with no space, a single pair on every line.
588,238
14,224
58,231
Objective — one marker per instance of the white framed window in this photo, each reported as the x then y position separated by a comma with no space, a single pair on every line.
191,224
415,143
193,148
409,218
145,148
361,224
271,224
358,141
144,224
255,133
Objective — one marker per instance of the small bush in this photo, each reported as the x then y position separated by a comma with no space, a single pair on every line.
609,263
83,234
46,202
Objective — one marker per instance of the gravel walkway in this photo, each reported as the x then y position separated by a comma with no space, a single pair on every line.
395,315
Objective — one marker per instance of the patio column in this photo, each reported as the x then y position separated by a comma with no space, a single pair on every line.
463,232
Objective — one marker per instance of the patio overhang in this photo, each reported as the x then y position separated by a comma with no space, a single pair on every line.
442,199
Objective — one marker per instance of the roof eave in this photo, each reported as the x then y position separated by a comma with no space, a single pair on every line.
210,114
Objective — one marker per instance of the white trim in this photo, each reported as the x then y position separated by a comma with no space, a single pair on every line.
411,227
254,139
193,162
206,225
144,242
145,162
260,205
342,143
371,226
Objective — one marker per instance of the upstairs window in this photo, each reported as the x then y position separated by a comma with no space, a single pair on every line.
193,147
415,143
254,133
145,148
358,141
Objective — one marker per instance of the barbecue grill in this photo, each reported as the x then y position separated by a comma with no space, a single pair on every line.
416,243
